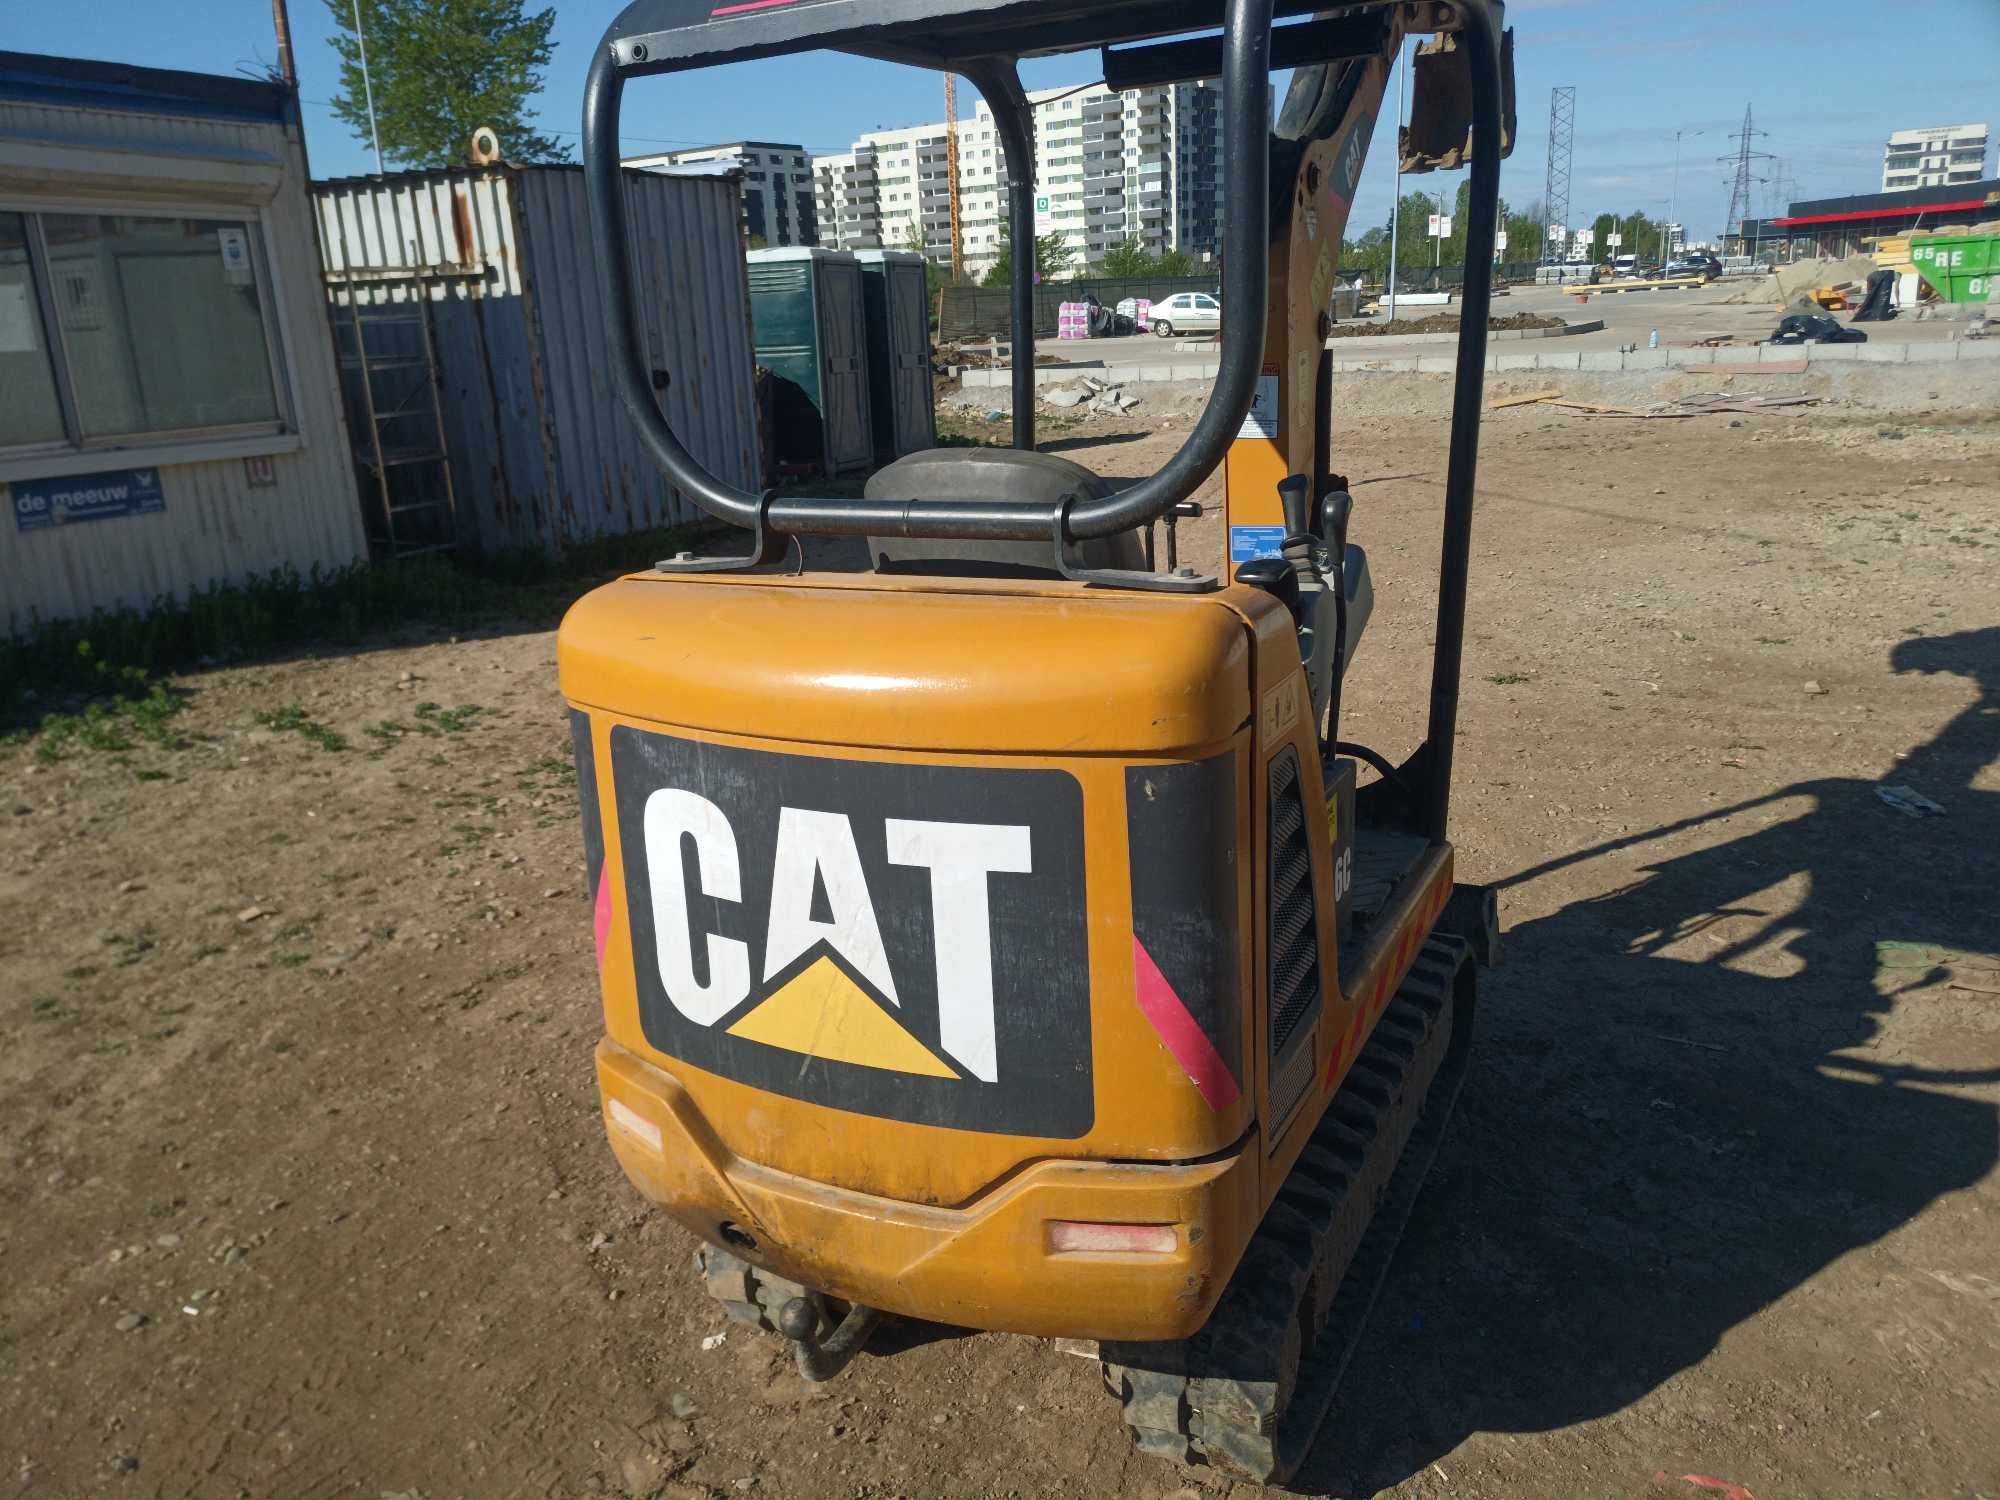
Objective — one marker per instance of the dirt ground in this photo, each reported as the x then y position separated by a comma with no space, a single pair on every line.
306,1194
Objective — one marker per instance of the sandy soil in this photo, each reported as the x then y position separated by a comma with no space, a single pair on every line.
305,1192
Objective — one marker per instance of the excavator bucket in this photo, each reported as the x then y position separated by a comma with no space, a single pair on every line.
1439,135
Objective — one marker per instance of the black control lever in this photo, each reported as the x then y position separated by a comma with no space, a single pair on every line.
1186,509
1336,509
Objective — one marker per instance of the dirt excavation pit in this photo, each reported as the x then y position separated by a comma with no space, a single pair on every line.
306,1185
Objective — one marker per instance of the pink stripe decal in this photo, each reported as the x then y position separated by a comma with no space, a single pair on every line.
601,918
1181,1032
730,10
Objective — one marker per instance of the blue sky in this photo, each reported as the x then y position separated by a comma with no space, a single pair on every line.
1829,79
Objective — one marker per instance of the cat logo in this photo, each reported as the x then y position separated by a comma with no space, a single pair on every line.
898,940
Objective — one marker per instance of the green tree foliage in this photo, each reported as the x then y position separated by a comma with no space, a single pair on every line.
1052,258
1127,260
1175,264
439,70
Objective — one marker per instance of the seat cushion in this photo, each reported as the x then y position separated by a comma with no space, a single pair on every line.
979,475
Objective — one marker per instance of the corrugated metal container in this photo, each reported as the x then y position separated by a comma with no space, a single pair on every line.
897,288
809,319
542,453
109,141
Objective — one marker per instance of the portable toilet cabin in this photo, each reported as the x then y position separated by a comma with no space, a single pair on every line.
897,287
808,328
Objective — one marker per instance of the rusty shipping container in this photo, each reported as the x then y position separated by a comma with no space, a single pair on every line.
542,455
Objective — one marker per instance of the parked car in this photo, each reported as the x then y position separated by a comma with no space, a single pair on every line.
1187,312
1707,267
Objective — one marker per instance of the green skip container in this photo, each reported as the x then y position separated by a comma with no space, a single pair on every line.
1959,266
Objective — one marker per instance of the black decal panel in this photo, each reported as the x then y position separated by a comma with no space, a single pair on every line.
586,791
1181,827
796,948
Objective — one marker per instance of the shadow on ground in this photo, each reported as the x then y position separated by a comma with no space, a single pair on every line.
1655,1142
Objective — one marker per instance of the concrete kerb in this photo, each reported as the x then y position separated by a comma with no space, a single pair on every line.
1495,336
1592,361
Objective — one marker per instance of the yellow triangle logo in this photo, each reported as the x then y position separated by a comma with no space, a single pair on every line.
823,1013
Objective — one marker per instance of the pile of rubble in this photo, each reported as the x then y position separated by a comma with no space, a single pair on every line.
1091,395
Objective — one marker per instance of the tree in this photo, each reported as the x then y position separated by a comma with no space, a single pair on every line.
1602,228
439,69
913,238
1175,265
1127,260
1052,258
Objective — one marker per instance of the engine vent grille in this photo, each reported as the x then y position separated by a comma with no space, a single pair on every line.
1293,930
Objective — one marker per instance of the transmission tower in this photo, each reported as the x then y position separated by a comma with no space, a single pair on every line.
951,175
1555,188
1744,155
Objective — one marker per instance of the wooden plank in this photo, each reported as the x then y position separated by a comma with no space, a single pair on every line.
1506,401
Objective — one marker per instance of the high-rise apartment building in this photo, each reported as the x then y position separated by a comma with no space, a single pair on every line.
1142,164
1935,156
778,207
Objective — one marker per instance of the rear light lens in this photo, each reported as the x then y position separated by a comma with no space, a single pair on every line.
1069,1235
634,1124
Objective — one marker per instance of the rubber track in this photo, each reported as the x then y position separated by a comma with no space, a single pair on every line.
1248,1393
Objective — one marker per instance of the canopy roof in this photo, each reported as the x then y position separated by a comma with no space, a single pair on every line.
657,36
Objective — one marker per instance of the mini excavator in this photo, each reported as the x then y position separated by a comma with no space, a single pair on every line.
998,931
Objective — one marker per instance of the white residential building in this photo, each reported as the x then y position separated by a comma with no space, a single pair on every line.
1144,164
778,206
1934,156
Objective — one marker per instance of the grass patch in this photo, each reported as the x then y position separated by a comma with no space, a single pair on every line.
118,654
292,718
127,708
1508,679
435,720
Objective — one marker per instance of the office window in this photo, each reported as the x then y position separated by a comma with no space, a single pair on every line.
29,410
153,325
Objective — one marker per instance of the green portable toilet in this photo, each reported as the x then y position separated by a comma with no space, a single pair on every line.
808,328
900,393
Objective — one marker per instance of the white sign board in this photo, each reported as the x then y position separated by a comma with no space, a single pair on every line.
1557,231
1614,239
18,319
1586,236
235,249
1045,219
1500,240
1440,226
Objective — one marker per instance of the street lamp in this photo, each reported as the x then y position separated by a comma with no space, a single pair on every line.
1673,202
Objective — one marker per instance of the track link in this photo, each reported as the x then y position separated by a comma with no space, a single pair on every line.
1249,1391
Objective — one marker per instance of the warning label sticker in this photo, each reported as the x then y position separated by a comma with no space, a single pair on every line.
1261,421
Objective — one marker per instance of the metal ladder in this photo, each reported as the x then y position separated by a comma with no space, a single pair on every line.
402,444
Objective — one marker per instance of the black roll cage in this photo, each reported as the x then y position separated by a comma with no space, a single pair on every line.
984,42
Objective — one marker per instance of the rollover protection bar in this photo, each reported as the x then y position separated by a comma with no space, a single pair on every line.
1245,64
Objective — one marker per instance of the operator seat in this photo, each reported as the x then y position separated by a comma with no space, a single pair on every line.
974,475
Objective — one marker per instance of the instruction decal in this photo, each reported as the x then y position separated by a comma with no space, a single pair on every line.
1248,543
1261,421
41,503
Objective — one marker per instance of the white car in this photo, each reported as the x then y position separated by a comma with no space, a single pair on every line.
1187,312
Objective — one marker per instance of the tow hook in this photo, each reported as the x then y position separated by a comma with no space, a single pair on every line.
821,1358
